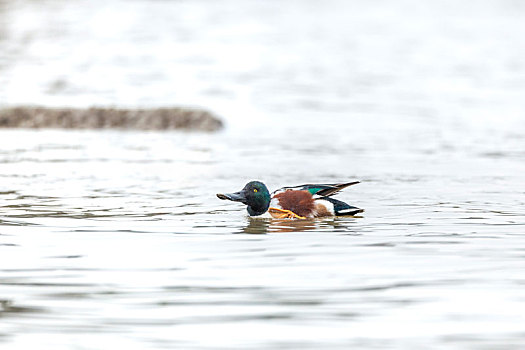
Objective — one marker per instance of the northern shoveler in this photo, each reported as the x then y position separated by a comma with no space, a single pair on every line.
298,202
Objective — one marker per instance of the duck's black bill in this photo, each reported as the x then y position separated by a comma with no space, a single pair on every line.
236,197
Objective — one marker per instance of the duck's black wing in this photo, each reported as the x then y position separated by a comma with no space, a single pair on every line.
319,190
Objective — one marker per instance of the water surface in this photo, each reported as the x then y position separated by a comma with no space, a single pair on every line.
116,238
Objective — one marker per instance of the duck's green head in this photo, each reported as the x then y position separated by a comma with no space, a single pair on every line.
255,195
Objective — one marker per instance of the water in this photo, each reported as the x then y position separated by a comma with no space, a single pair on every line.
117,239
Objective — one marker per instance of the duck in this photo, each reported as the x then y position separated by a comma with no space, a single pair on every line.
293,202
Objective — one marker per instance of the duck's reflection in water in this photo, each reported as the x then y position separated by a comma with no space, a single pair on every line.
263,226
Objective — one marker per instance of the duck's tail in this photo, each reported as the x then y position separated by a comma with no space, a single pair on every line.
342,208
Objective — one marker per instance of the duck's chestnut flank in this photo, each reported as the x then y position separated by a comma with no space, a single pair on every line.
300,202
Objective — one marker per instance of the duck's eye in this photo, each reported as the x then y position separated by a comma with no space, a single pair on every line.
255,190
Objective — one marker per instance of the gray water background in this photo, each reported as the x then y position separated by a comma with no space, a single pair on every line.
116,239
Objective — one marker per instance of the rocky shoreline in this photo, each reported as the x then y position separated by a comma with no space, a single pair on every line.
110,118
